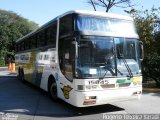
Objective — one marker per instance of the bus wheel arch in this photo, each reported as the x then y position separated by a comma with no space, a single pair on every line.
52,88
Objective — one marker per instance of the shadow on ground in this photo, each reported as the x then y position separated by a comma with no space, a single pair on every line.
25,99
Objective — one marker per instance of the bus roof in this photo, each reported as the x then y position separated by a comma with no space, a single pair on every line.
80,12
98,13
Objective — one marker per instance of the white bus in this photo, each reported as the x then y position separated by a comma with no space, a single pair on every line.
85,58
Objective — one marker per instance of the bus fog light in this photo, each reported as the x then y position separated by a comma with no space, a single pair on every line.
87,98
90,97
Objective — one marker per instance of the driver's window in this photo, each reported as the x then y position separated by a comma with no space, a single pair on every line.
85,53
65,58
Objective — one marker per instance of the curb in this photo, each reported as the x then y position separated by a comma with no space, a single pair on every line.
151,89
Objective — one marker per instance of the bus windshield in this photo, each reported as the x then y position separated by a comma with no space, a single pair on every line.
127,49
97,57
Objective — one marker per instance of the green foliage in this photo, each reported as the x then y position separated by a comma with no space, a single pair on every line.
145,21
151,67
145,27
108,4
12,27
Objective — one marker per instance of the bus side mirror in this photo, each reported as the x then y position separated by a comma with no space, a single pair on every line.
141,50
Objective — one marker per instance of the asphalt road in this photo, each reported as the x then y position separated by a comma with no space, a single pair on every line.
27,102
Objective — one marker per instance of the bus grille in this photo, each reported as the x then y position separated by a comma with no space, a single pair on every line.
105,86
108,86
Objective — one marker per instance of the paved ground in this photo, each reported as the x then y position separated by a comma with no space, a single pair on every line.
31,103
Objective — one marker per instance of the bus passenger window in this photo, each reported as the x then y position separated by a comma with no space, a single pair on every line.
51,33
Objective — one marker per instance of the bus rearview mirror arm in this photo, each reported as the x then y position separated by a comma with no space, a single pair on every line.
76,47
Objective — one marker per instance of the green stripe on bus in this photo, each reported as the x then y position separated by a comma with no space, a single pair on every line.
124,81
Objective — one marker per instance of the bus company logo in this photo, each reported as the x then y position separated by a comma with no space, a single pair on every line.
66,90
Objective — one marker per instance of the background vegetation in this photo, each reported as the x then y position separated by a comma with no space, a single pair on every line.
12,27
148,28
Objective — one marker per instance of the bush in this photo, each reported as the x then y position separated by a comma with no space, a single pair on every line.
2,62
151,68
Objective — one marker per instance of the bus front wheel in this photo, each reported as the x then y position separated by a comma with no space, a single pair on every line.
52,90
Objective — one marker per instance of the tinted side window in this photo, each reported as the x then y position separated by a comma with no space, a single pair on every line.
41,39
51,33
22,46
33,40
66,25
19,46
27,44
66,54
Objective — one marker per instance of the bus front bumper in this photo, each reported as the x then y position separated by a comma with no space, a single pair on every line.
93,98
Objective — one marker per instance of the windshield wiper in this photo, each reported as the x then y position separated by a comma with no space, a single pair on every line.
128,68
121,56
107,68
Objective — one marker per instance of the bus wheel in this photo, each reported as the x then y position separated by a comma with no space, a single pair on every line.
52,90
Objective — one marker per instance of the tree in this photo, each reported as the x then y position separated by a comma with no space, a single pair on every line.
12,27
108,4
145,23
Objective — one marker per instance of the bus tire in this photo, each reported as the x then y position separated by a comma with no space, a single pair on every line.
52,89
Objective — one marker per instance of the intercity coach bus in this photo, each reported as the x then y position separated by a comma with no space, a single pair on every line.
85,58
